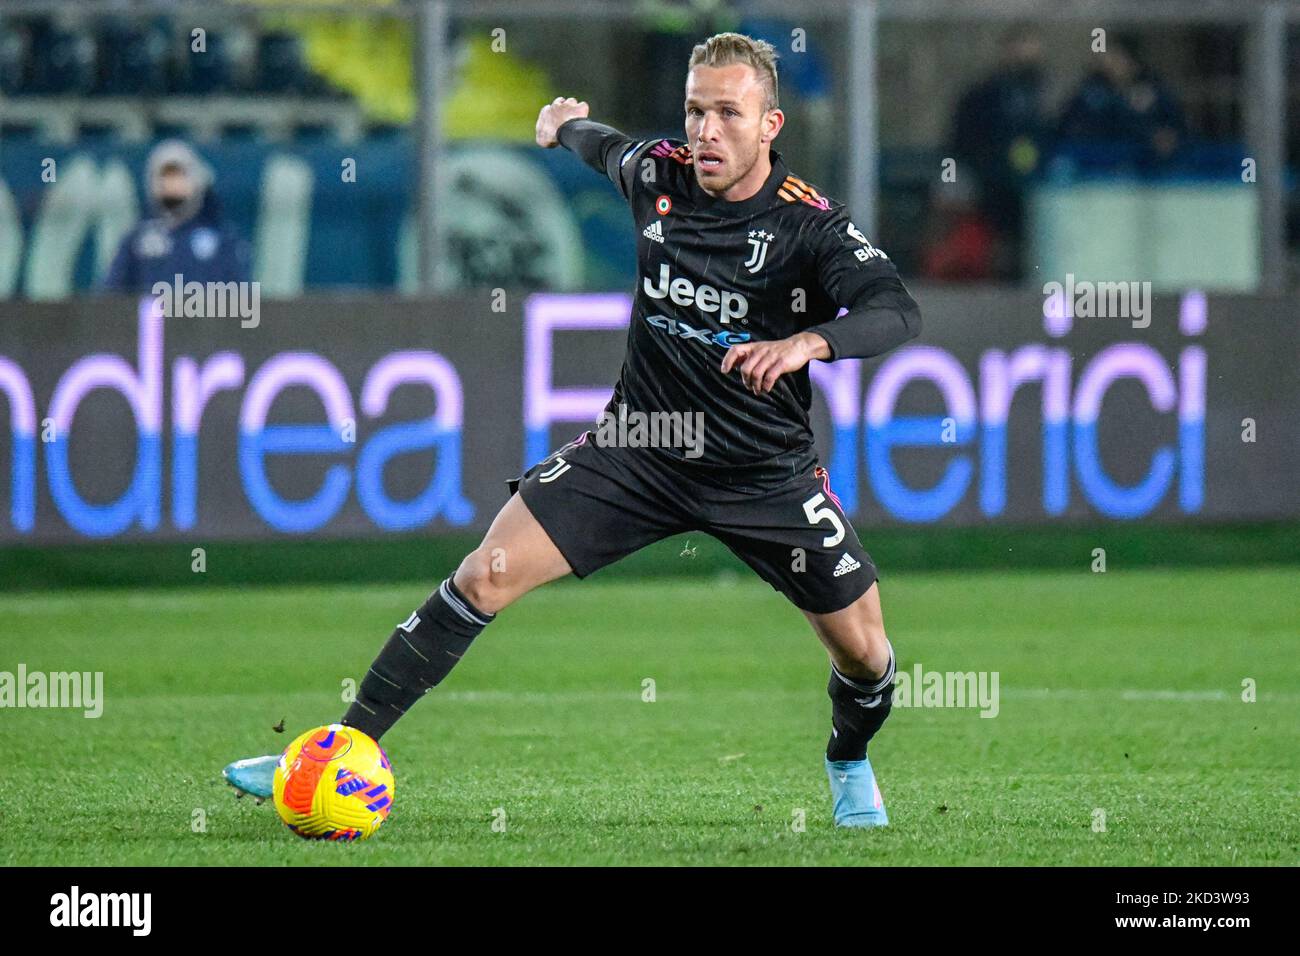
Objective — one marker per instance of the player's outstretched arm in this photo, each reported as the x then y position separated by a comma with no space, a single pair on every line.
565,122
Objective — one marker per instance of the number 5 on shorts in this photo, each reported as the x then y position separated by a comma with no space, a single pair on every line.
817,514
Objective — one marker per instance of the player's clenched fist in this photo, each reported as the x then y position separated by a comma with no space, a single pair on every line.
761,363
554,115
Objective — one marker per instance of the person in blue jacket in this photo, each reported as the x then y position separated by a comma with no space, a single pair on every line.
187,234
1124,103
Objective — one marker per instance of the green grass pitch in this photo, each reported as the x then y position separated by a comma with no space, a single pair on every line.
1119,692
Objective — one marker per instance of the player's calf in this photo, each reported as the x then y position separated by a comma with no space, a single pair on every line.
862,673
858,709
861,690
421,651
516,556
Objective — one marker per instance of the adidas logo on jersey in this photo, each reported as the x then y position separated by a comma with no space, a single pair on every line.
847,564
654,231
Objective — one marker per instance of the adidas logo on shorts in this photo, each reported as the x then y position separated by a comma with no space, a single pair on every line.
847,564
654,231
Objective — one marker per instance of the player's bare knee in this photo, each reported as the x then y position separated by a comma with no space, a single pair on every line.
867,656
857,667
878,649
482,581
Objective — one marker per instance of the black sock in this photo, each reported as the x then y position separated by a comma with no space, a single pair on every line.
858,708
419,654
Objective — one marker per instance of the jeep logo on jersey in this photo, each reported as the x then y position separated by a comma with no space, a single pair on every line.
706,298
868,253
759,240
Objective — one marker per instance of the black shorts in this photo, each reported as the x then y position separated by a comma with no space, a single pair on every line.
601,504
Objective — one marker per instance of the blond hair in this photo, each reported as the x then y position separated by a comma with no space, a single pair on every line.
724,49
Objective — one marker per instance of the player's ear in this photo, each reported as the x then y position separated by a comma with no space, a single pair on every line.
775,119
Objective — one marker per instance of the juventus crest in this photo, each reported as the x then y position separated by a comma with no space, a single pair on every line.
759,240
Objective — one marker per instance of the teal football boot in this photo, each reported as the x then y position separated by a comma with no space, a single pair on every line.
252,776
856,800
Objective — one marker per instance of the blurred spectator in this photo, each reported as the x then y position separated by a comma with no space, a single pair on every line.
15,55
63,55
960,245
279,64
133,56
998,133
1123,103
187,236
206,71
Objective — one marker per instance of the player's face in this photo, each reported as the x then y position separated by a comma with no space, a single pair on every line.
725,123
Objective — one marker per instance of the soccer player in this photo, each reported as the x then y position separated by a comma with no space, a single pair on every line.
742,269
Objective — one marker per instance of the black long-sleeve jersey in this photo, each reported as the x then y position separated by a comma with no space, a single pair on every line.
712,274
